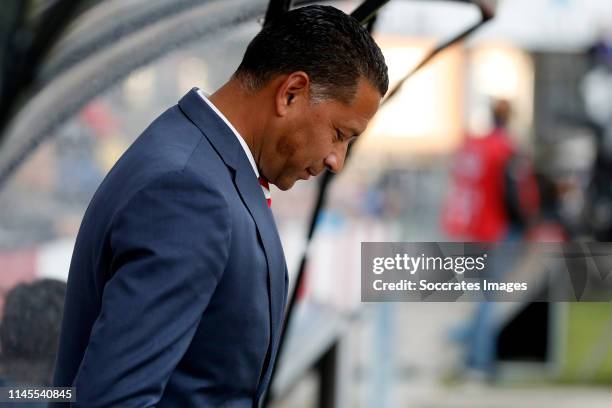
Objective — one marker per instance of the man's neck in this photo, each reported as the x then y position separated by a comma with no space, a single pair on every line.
243,113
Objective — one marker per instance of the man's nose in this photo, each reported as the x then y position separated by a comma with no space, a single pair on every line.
335,160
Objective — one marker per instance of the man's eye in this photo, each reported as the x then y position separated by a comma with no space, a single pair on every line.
339,136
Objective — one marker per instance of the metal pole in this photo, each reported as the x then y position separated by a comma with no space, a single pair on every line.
275,9
28,58
364,13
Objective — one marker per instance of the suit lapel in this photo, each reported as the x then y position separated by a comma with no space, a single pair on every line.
225,143
248,186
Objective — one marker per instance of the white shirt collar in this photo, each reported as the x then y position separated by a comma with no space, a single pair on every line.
245,147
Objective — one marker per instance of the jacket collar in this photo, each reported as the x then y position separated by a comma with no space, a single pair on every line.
215,129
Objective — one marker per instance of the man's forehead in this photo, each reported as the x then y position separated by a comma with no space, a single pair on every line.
362,109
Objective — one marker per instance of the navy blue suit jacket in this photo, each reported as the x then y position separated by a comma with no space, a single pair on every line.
178,281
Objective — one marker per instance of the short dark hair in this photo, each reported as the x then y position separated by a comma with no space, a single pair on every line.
29,331
329,45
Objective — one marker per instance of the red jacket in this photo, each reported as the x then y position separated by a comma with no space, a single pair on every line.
475,208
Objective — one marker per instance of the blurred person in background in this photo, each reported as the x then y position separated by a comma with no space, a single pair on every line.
29,332
493,197
493,192
597,95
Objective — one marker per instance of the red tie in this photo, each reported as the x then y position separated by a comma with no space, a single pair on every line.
265,186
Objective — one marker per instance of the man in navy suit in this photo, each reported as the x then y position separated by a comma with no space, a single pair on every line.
178,280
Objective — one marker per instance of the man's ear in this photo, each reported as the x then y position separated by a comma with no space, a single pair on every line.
292,90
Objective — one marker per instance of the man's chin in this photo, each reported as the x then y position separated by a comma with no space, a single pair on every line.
284,184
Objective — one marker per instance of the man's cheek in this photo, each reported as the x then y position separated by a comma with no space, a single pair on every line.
285,147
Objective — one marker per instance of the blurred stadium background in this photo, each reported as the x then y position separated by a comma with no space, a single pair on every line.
118,64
